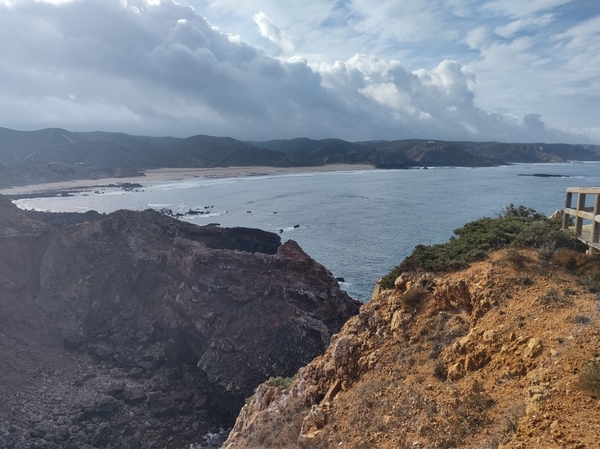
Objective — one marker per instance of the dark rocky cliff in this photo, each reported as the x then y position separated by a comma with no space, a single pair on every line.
138,328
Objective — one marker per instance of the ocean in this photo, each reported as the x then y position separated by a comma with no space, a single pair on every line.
358,224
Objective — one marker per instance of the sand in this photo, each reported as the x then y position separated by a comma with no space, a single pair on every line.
171,174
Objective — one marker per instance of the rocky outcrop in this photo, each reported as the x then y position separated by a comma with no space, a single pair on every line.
470,359
138,328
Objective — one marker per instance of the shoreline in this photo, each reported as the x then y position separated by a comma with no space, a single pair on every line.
174,174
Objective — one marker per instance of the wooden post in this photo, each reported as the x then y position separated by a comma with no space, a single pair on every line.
578,219
595,237
566,216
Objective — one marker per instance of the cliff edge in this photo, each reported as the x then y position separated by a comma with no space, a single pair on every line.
138,329
503,353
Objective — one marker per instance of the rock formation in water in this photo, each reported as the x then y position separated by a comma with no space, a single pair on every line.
501,354
134,329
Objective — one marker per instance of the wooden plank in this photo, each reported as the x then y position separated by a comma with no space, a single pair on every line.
590,190
583,214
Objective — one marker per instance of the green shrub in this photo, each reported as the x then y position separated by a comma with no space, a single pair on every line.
281,382
519,226
521,212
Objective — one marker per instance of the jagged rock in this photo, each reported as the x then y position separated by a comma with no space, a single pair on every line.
345,351
490,336
315,420
161,406
104,352
116,390
400,282
136,373
134,396
456,372
159,305
533,348
201,403
106,406
104,435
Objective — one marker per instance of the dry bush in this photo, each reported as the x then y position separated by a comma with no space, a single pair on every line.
513,257
569,259
511,421
590,276
580,319
589,378
411,298
468,415
439,371
554,299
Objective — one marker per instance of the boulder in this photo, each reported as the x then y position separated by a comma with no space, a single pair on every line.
106,406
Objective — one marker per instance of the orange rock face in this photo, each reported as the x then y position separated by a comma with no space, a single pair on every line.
481,361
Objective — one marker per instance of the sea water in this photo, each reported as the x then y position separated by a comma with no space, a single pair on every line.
359,224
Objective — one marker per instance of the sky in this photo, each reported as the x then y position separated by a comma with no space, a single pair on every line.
504,70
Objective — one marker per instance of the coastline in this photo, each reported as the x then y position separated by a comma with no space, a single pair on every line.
172,174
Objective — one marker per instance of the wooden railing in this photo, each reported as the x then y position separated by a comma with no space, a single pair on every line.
584,211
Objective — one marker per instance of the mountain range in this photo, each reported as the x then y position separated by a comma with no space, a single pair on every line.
31,151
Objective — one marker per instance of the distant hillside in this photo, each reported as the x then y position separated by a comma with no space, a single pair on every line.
381,154
315,152
104,149
534,152
211,151
21,173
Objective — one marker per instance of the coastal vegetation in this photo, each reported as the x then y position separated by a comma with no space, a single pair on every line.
516,226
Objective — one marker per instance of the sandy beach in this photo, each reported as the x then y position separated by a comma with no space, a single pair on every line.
171,174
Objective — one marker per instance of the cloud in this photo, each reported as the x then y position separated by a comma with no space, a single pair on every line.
516,26
161,68
476,37
519,8
281,39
